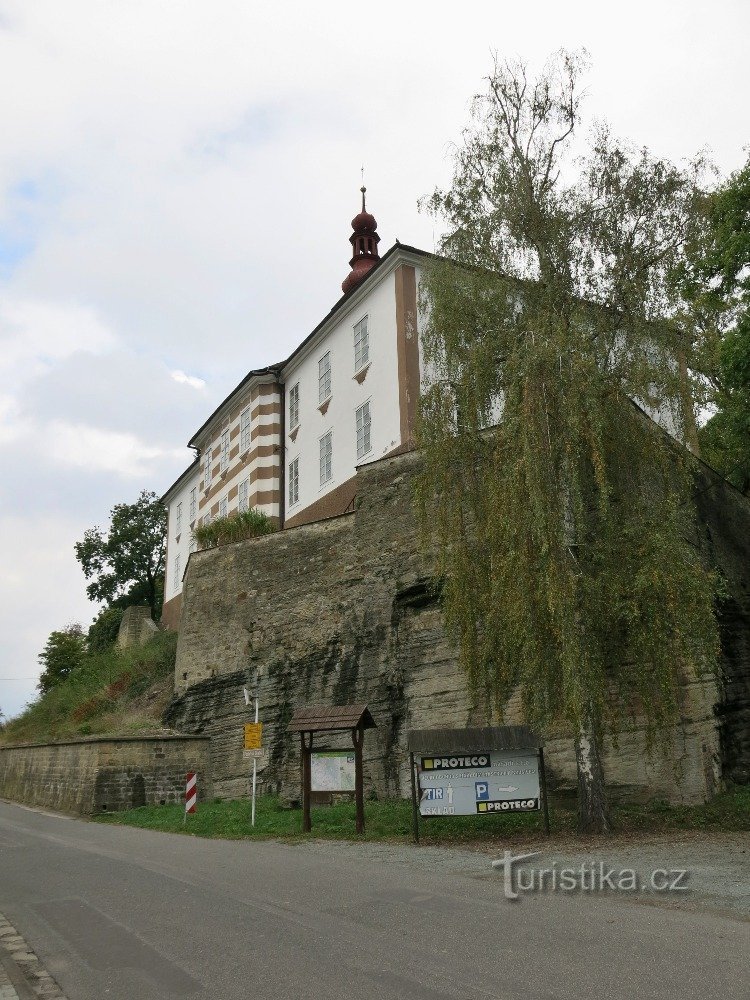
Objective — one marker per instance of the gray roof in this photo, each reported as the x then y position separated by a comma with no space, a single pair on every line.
433,741
329,718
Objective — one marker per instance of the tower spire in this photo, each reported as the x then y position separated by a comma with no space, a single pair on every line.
364,241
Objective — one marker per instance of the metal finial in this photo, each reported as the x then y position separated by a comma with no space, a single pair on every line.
363,189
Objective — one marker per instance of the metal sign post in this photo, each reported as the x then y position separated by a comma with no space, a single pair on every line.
254,742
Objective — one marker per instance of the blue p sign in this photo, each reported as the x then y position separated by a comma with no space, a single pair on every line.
483,790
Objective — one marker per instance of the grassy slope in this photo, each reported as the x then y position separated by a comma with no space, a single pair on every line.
391,820
116,691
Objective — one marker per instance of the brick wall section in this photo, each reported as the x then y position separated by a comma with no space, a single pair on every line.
341,610
96,774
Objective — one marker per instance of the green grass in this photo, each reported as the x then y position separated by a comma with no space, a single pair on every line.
98,696
390,820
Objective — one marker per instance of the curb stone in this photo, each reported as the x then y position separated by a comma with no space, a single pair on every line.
31,978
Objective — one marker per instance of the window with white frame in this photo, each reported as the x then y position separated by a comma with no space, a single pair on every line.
207,468
177,578
224,457
245,431
326,458
178,519
242,495
294,482
294,405
193,503
193,544
324,377
223,507
206,519
361,345
363,421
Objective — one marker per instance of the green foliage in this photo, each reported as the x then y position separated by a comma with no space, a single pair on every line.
102,633
129,559
716,281
390,820
246,524
563,536
100,692
62,654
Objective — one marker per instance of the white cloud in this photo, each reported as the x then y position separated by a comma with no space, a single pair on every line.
91,448
191,380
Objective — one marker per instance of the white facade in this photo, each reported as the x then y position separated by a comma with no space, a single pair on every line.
375,382
180,540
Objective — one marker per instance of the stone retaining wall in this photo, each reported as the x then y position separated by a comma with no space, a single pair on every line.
104,774
342,610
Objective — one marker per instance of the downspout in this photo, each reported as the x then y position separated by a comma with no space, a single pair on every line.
282,451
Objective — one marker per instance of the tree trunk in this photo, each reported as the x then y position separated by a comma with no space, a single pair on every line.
593,813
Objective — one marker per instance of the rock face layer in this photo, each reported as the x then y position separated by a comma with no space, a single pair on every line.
344,610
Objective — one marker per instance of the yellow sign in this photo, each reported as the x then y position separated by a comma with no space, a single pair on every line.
253,735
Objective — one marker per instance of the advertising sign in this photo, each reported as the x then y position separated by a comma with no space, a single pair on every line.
332,771
470,784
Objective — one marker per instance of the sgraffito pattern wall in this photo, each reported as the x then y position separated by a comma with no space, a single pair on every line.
343,610
104,774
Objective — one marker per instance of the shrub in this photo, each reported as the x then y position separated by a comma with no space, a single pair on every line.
246,524
102,633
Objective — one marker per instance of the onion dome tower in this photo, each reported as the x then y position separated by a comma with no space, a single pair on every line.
364,241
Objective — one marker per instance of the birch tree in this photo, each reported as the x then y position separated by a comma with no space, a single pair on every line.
564,534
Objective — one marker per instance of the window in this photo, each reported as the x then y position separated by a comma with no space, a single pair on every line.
224,458
207,519
364,442
326,457
245,431
242,496
177,579
178,519
294,404
223,506
193,544
193,503
294,482
324,377
361,345
207,468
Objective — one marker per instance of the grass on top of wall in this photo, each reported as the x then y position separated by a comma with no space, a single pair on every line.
118,690
390,820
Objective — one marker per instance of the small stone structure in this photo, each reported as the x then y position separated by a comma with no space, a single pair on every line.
104,774
136,627
343,611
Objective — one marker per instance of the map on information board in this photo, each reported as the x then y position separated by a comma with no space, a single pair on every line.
332,771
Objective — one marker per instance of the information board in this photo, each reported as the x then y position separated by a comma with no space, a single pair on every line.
470,784
332,771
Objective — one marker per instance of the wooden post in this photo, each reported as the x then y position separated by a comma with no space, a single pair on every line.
543,777
306,781
414,803
359,782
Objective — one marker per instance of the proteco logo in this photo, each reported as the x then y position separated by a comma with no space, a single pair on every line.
457,762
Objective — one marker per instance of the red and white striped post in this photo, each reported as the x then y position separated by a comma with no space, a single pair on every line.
191,794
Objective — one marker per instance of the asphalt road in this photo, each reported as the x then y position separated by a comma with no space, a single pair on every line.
127,914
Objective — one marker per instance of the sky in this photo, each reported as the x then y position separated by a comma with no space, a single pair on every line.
177,181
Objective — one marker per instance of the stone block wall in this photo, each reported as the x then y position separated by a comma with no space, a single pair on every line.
98,774
136,627
343,610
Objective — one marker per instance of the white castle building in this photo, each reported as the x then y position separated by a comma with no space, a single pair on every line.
289,438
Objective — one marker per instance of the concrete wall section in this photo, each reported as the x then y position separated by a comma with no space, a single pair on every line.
104,774
343,610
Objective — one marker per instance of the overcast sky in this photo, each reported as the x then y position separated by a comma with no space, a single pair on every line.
176,185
